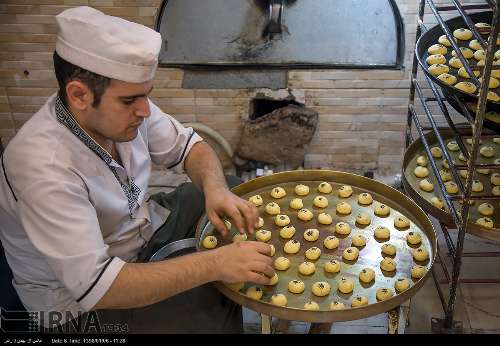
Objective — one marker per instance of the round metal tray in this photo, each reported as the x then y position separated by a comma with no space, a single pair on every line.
410,182
370,255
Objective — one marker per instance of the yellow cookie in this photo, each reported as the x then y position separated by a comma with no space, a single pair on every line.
278,192
281,263
351,253
311,234
345,285
296,203
345,191
292,246
256,200
359,301
367,275
313,253
325,187
321,288
384,293
401,285
279,299
342,228
331,242
388,264
325,219
365,199
296,286
287,232
305,215
209,242
281,220
307,268
332,266
302,190
382,232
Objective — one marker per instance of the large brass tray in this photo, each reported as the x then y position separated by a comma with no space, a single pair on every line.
410,182
370,254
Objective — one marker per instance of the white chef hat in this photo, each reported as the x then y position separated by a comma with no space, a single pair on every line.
107,45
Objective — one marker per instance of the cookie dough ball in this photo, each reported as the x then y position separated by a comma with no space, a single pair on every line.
495,179
420,254
418,271
331,242
446,164
239,237
342,228
401,222
305,215
475,45
414,238
422,161
401,285
492,96
272,250
445,175
345,191
486,222
302,190
384,293
311,306
254,292
382,210
453,146
466,86
358,240
367,275
274,280
447,78
466,52
436,152
260,223
209,242
281,263
363,219
321,288
485,209
343,208
292,246
479,55
256,200
307,268
325,187
278,192
296,204
325,219
311,234
279,299
287,232
313,253
483,171
451,187
388,249
443,40
296,286
496,191
455,63
437,49
320,202
492,83
365,199
236,287
388,264
382,232
273,208
336,305
263,235
350,253
463,73
421,172
426,185
462,34
487,151
281,220
463,173
483,28
438,69
359,301
332,266
345,285
436,59
477,186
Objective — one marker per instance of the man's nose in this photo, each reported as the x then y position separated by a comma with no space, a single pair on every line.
143,109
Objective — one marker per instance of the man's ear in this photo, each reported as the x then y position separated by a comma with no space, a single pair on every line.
79,95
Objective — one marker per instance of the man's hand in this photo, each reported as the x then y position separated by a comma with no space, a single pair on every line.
223,203
244,261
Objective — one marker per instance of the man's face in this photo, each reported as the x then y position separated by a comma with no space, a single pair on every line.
122,109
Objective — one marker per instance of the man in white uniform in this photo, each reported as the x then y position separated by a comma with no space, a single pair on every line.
74,220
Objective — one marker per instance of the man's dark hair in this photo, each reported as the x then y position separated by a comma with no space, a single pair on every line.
66,72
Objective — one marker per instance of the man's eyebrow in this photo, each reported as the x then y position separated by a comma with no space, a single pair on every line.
137,95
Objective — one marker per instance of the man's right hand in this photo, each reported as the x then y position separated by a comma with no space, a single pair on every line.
244,261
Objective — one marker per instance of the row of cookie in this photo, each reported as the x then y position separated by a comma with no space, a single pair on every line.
344,191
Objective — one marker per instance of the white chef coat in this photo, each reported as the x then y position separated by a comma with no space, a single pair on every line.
70,215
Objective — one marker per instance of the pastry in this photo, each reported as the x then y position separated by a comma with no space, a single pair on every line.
325,219
325,187
388,249
260,223
443,40
466,52
240,237
331,242
437,202
287,232
209,242
320,202
451,187
438,69
365,198
345,191
311,234
401,285
281,220
447,78
445,175
358,240
384,293
436,152
462,34
485,209
332,266
343,208
422,161
336,305
492,83
382,232
256,200
345,285
313,253
296,203
296,286
486,222
475,45
311,306
437,49
302,190
363,219
420,254
359,301
307,268
273,208
388,264
418,271
281,263
466,86
305,214
436,59
477,186
367,275
453,146
350,253
487,151
495,178
279,299
413,238
292,246
401,222
274,280
382,210
321,288
426,185
421,172
342,228
263,235
254,292
479,54
278,192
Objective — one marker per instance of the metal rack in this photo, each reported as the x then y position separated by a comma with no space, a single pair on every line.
460,217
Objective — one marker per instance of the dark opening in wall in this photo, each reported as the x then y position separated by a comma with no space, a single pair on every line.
261,107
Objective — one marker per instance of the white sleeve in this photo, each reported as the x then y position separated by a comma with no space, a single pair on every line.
62,224
169,142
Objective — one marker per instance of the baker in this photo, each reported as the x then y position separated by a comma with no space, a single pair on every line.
75,223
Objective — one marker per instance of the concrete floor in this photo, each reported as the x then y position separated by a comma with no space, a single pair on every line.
477,306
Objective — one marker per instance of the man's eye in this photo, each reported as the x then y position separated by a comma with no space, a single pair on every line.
128,101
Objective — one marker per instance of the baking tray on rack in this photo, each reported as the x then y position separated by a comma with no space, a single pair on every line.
422,198
370,255
431,37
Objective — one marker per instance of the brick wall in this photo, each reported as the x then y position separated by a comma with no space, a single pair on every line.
362,112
